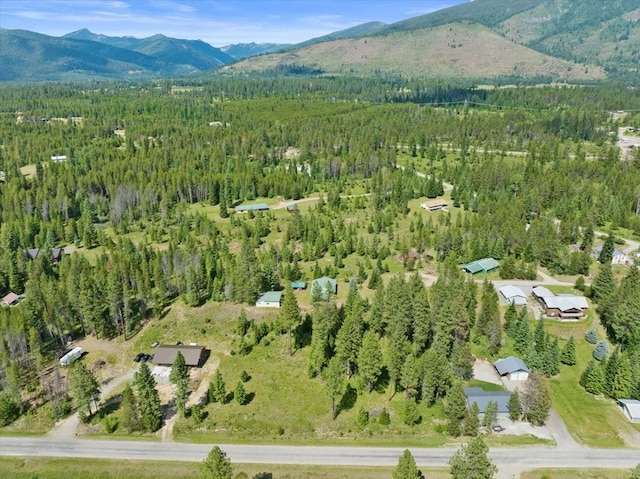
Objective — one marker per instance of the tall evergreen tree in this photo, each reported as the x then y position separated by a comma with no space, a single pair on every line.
334,380
129,415
536,399
217,388
84,388
568,355
290,316
148,399
179,377
370,360
515,408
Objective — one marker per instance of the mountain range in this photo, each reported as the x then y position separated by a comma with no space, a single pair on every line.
547,40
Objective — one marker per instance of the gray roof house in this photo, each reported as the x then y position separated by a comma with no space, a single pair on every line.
270,299
483,265
512,368
482,398
631,409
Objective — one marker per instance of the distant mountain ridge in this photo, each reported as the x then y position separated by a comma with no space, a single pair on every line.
244,50
196,53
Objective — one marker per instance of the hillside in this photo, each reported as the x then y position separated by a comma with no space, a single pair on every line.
196,53
244,50
29,56
456,50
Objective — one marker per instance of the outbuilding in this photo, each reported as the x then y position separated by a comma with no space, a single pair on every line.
512,369
631,409
483,265
11,299
434,205
482,399
252,207
324,285
270,299
514,295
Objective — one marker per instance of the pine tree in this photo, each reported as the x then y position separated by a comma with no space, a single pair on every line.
489,309
515,409
179,377
471,421
290,316
239,394
540,337
568,355
217,465
551,359
217,389
606,253
148,399
334,379
617,376
523,333
370,360
471,461
129,416
410,376
462,361
511,320
635,472
490,414
456,408
536,399
84,388
406,468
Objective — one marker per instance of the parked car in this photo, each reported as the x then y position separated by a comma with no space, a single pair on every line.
139,357
497,428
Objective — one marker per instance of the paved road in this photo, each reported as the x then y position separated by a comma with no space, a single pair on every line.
509,461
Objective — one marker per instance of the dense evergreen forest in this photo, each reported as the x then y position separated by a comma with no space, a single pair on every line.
143,202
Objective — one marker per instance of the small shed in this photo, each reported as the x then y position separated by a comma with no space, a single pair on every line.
325,285
482,399
298,285
483,265
631,409
252,207
11,299
59,158
512,369
514,295
270,299
166,354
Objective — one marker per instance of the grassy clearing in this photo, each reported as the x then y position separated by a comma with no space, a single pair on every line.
50,468
575,474
592,421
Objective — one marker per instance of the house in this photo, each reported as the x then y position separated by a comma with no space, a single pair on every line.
11,299
561,306
514,295
56,254
512,369
434,205
482,399
631,409
298,285
483,265
324,285
32,253
252,207
618,257
270,299
165,354
59,158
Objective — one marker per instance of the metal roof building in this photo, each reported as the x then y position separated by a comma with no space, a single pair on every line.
482,398
512,368
514,295
483,265
252,207
166,354
270,299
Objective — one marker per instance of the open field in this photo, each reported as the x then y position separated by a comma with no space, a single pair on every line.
575,474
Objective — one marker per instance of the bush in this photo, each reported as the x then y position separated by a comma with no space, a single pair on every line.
362,419
110,424
601,351
384,418
244,376
410,414
591,336
9,410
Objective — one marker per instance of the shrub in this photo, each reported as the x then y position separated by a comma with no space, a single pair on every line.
110,424
411,414
591,336
601,351
9,409
362,419
384,418
244,376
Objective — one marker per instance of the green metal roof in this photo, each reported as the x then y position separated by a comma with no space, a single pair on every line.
326,284
298,285
271,297
252,207
481,265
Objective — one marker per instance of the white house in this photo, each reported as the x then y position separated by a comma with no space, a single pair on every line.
631,409
434,205
512,369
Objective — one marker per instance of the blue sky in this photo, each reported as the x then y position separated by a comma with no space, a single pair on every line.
218,22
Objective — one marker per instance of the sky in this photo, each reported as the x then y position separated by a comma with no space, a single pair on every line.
218,22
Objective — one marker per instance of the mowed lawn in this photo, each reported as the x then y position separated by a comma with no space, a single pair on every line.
576,474
592,421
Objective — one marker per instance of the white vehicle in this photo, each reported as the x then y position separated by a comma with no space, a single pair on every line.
71,356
